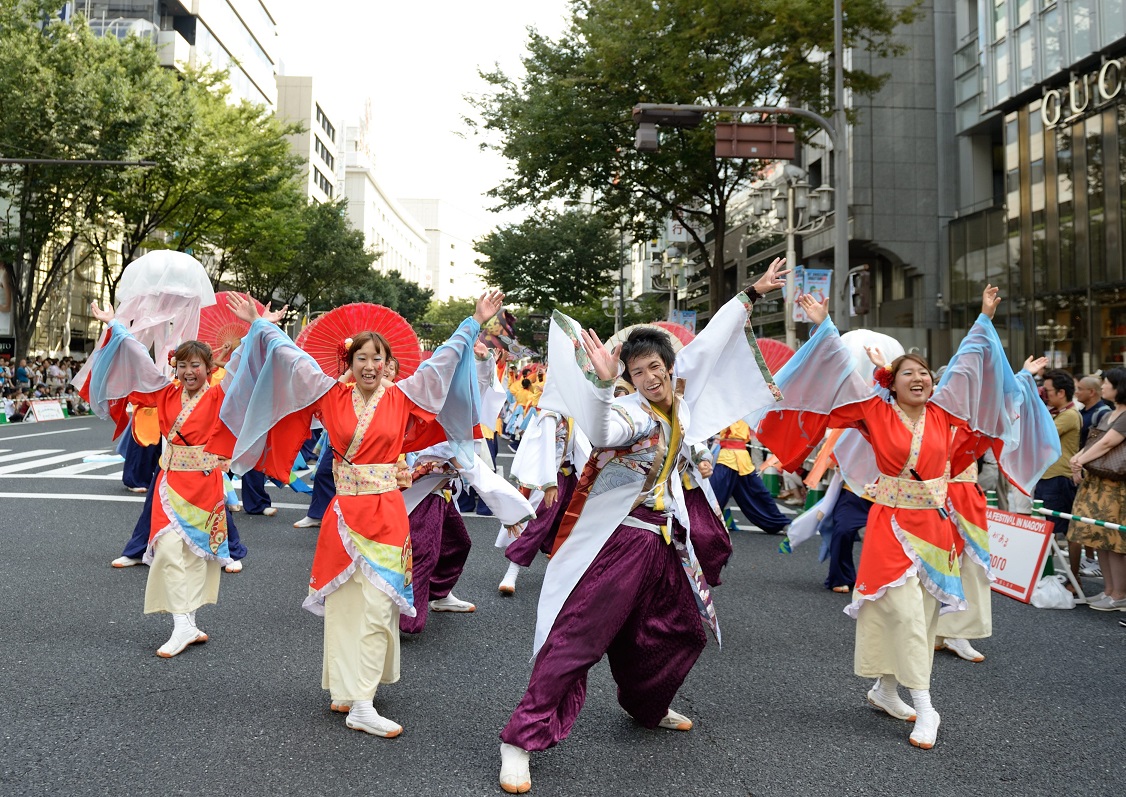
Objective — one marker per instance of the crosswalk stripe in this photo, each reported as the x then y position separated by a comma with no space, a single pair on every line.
81,467
47,461
39,452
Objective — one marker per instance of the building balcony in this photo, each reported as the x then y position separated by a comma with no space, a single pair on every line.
175,52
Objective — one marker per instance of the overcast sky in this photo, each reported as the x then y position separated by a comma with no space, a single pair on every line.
416,61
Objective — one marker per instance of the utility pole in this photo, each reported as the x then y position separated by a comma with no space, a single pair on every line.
840,307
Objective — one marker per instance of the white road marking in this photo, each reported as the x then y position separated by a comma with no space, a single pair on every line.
44,434
81,467
120,499
39,452
6,469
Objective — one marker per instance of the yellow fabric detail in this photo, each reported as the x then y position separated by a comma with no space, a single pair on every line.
364,479
909,493
739,460
968,475
671,453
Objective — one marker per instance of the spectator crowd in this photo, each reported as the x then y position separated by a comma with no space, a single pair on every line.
38,378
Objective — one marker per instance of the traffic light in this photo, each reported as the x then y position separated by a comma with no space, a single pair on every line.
648,138
859,291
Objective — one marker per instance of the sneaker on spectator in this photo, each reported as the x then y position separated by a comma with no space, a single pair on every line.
1090,567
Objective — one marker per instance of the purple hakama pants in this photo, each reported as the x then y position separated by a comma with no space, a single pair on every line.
634,605
540,533
710,539
440,545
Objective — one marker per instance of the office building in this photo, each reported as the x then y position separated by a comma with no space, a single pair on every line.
298,102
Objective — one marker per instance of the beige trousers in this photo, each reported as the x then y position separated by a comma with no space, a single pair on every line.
179,581
976,622
895,635
361,644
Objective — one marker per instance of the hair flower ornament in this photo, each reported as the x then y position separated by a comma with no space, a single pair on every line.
885,378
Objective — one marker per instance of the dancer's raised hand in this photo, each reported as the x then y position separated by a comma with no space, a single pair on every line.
605,363
876,356
105,316
774,278
242,307
488,305
816,311
990,299
1035,365
274,316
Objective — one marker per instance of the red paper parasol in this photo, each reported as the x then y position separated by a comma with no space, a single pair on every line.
323,339
775,352
218,325
678,331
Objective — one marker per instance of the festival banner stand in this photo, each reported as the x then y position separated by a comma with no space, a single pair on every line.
1018,545
47,410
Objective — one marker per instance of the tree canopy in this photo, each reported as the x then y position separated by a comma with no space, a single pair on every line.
565,126
551,258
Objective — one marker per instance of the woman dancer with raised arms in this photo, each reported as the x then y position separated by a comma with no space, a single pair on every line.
362,570
909,570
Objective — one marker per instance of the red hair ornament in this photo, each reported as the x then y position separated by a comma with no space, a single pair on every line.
885,378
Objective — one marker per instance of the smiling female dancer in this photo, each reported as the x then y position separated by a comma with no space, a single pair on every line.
362,570
909,570
188,539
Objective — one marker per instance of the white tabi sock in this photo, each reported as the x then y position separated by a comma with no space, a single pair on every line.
925,732
363,717
181,623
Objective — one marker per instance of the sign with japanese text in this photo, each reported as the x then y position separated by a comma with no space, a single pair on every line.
1018,545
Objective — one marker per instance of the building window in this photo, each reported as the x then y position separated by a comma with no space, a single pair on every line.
1000,19
1096,207
1113,19
1026,61
1082,30
326,125
1000,72
1050,27
324,154
322,182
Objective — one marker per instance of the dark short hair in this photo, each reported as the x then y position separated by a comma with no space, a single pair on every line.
898,362
367,337
195,348
1117,378
647,342
1061,380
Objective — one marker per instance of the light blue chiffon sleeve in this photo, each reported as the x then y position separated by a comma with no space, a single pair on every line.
120,367
446,384
268,378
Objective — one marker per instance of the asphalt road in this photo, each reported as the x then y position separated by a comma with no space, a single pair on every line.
87,708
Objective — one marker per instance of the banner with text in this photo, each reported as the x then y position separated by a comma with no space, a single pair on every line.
1018,545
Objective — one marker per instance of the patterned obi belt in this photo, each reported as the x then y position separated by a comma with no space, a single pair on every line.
364,479
732,443
909,493
185,458
968,475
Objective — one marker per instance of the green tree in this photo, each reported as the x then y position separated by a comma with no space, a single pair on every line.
296,252
442,319
566,127
225,175
64,94
409,300
551,258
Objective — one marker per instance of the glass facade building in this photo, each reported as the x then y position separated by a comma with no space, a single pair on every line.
1046,99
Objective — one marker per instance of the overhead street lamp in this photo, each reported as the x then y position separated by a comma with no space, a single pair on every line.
673,267
786,205
650,115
